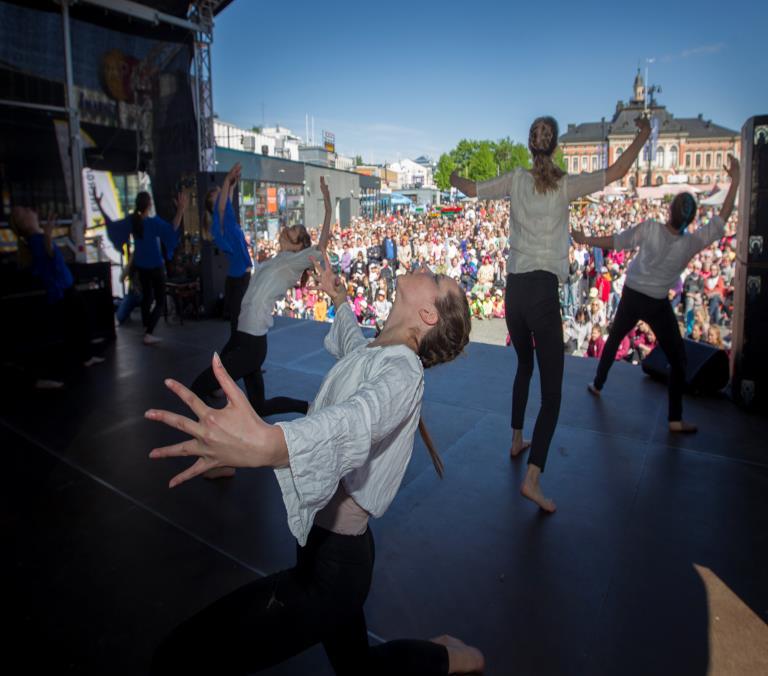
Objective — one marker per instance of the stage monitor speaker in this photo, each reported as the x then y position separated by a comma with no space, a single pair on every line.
213,262
707,370
749,356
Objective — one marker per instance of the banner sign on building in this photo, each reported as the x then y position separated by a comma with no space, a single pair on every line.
329,141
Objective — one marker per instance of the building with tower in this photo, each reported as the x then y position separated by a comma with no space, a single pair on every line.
687,150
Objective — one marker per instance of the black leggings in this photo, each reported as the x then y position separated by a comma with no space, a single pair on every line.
152,282
659,315
534,323
234,290
243,359
320,600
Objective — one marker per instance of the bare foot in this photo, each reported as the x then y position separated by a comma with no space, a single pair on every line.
518,443
149,339
462,658
220,473
519,447
591,387
682,427
532,490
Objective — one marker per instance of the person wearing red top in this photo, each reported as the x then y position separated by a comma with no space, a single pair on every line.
596,343
603,285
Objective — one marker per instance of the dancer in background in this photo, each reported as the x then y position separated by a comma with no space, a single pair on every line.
665,250
66,314
270,282
538,258
337,467
228,236
147,232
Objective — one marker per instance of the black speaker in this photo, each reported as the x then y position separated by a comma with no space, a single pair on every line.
707,371
749,357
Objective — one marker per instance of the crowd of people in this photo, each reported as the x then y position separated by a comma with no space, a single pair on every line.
471,247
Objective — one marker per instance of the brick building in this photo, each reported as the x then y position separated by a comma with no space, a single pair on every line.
688,150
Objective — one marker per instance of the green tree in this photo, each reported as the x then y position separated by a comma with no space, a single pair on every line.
358,160
256,130
482,165
463,153
510,155
445,167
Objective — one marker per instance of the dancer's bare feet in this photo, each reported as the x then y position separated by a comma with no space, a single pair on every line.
220,473
682,427
518,443
462,658
532,490
593,390
149,339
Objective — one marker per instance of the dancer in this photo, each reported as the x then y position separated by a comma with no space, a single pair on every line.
665,250
148,232
336,467
247,350
229,237
538,258
67,314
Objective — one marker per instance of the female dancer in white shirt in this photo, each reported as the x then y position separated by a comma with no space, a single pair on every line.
538,258
336,467
665,250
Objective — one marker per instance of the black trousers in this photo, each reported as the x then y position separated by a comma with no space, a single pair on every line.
243,359
234,290
153,289
659,315
535,325
320,600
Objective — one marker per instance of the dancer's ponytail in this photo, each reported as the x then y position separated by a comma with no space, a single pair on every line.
542,142
143,202
437,461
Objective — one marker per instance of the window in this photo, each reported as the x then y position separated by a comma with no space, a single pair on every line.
708,160
660,156
594,162
673,157
632,181
706,179
584,163
575,165
698,160
688,160
719,160
619,151
659,180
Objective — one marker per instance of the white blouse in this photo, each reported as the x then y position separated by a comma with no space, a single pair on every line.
538,222
359,430
268,284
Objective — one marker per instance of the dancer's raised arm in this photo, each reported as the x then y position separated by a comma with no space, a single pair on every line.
233,175
622,165
325,233
605,242
464,185
730,198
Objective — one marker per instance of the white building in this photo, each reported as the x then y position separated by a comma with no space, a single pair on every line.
273,141
412,174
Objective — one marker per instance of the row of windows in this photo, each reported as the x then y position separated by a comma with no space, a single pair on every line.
692,160
659,180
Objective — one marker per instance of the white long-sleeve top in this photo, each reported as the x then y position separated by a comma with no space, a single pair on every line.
359,430
538,222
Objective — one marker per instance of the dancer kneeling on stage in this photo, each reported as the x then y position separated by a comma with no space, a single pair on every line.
247,348
665,250
336,467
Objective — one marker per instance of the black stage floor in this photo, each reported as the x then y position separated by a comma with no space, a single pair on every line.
655,562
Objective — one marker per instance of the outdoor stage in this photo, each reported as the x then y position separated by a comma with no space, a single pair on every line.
655,562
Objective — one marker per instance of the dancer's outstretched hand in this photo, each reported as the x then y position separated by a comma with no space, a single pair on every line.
234,436
732,167
327,280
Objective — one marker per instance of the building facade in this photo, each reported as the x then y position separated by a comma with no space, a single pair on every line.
687,150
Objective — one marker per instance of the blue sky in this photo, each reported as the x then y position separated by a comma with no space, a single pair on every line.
403,79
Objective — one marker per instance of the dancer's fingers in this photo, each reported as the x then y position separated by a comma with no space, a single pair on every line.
199,408
233,392
177,421
180,450
200,467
